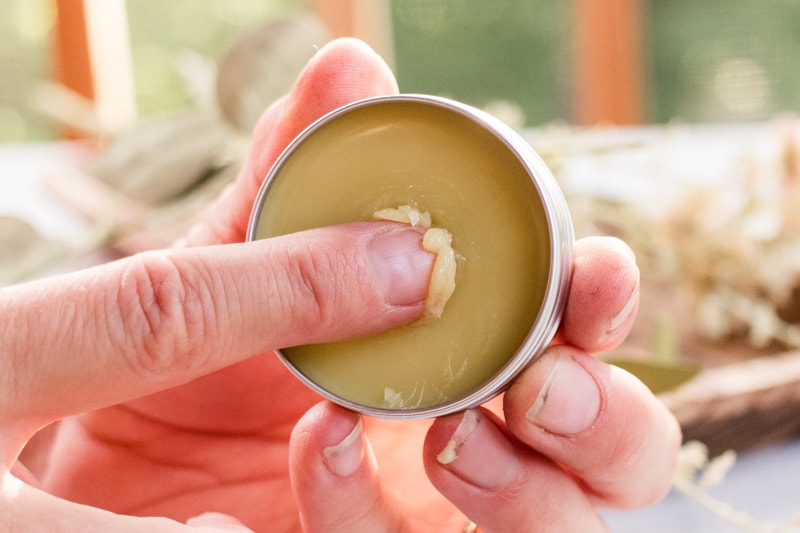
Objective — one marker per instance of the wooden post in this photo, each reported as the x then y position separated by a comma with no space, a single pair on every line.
607,64
92,58
73,66
338,16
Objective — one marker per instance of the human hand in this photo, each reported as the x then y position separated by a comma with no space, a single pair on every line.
572,434
169,413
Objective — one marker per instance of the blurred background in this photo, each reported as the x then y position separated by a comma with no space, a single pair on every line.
668,123
717,60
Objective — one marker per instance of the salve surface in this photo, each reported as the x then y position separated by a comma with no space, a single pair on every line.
437,160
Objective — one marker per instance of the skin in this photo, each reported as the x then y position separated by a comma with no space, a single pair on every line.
172,405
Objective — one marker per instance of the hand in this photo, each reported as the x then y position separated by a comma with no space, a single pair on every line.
570,435
168,411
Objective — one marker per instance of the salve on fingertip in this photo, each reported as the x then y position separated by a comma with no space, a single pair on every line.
438,241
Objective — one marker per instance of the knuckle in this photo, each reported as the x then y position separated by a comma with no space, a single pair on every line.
314,290
644,462
164,312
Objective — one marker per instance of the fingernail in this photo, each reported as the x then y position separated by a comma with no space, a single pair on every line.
219,521
569,401
401,267
345,458
627,310
479,454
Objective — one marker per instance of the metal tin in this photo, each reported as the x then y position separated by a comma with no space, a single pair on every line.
486,141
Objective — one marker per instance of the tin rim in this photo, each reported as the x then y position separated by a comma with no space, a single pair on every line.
560,232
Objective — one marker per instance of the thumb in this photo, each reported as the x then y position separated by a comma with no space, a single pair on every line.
343,71
160,319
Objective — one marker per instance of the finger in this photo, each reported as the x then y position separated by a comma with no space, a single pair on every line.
499,484
604,295
159,319
334,475
25,508
598,421
343,71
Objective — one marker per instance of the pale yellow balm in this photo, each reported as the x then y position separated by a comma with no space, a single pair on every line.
405,214
498,280
443,278
438,241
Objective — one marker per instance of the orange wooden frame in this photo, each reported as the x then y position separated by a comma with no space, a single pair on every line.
73,65
607,68
607,62
91,51
72,57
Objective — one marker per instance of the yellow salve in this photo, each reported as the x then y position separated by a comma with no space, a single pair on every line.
397,153
438,241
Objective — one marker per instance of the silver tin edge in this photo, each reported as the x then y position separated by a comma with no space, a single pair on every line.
561,236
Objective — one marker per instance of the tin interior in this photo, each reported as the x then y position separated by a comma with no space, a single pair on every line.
451,161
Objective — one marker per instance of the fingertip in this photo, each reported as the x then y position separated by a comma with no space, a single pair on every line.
499,484
460,444
604,295
600,422
570,398
325,445
328,436
470,461
342,71
334,474
342,60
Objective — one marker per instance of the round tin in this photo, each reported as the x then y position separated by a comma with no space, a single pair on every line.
510,224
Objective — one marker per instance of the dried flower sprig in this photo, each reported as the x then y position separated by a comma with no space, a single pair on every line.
733,249
696,474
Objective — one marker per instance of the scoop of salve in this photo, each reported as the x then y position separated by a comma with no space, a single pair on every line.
438,241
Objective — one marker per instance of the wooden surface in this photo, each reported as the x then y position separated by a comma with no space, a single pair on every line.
741,405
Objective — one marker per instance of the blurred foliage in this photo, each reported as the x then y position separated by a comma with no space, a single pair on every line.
161,30
723,60
26,27
715,60
479,52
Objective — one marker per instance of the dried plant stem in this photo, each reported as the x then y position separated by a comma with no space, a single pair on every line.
695,474
741,520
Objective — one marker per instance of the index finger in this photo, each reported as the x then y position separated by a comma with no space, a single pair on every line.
604,295
159,319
